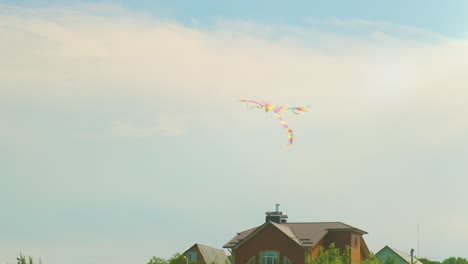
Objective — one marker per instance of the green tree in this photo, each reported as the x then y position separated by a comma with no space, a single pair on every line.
390,260
346,257
23,260
331,255
427,261
177,258
371,259
157,260
454,260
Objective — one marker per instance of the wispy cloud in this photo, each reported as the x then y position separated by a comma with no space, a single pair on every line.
386,103
163,125
412,87
391,30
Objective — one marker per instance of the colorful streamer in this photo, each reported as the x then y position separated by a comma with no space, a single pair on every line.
276,109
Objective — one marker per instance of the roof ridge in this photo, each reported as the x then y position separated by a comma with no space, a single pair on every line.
399,252
205,245
253,228
402,254
212,254
280,226
336,222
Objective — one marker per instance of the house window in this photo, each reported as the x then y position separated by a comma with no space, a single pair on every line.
269,257
286,260
251,260
192,256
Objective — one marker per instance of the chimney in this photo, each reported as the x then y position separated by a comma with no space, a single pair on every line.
276,216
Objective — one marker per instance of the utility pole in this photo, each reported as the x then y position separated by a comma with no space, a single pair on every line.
412,251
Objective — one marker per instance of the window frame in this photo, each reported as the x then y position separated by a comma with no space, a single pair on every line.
275,256
190,256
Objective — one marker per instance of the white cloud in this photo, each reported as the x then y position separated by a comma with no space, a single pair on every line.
395,91
402,32
164,59
383,103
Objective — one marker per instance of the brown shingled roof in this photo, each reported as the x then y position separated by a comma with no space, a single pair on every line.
211,255
305,234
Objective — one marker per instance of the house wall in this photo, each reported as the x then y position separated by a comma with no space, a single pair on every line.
342,239
355,248
364,249
269,238
315,250
386,252
363,255
194,248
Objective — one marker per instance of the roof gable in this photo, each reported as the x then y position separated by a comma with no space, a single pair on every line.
239,237
401,256
364,248
211,255
287,231
406,256
246,235
305,234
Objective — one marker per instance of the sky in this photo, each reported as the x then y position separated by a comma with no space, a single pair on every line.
122,138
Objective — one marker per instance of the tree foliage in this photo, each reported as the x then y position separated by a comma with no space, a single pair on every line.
390,260
346,257
332,255
428,261
177,258
454,260
26,260
371,259
450,260
157,260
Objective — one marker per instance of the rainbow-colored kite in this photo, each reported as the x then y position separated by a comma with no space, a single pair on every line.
276,110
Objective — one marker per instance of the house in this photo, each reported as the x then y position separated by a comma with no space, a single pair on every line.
398,256
278,241
205,255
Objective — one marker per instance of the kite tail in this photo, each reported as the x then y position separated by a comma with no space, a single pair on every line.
254,104
250,106
286,128
299,108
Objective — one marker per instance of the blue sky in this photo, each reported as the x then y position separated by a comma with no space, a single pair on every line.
447,18
121,137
